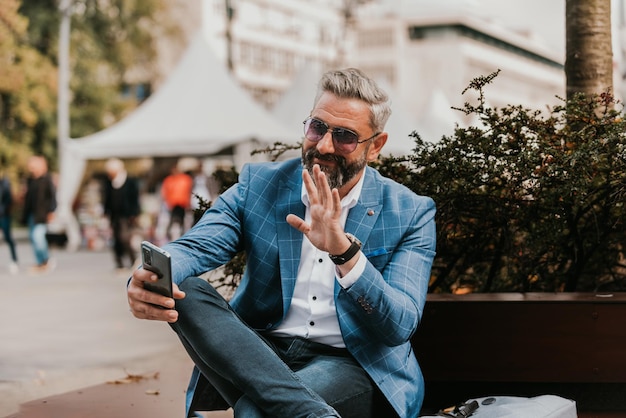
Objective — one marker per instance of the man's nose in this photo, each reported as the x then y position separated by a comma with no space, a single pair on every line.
325,145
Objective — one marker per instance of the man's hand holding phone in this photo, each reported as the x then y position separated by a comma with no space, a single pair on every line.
144,304
151,292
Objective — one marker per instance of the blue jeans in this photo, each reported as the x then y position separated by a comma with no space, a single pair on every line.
265,376
37,236
5,225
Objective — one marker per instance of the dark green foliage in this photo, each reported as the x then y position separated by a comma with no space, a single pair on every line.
526,201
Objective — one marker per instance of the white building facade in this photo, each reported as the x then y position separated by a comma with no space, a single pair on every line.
270,40
430,55
427,51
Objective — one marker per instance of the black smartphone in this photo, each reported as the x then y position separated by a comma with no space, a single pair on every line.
159,262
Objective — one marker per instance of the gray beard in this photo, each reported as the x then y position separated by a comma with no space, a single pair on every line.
338,176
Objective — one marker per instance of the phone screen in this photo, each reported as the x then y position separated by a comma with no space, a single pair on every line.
159,262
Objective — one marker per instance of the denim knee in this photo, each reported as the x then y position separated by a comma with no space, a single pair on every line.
199,290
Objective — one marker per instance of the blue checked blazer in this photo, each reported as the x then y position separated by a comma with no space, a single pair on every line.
378,314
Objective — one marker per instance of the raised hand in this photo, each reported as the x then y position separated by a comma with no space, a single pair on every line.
325,230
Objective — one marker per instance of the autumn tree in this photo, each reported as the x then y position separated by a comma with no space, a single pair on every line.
110,41
27,92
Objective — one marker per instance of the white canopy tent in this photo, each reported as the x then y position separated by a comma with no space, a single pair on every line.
439,118
200,110
296,104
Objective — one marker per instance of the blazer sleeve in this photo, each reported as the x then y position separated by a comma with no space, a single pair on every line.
387,301
215,238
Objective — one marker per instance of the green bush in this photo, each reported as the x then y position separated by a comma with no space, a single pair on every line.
526,201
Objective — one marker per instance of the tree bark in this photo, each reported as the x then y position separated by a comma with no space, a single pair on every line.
589,53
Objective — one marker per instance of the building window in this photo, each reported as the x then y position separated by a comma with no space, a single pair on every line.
449,31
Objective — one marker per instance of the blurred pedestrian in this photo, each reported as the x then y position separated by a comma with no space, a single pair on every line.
176,194
121,205
39,206
6,201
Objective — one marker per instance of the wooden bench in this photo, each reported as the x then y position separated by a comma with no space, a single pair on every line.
568,344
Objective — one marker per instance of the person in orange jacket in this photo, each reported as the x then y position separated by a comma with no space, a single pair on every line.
176,194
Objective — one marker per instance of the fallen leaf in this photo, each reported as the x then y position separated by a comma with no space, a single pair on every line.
130,378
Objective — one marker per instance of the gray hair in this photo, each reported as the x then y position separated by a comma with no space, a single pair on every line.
352,83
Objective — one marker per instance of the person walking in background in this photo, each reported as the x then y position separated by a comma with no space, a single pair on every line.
121,206
6,201
39,206
176,194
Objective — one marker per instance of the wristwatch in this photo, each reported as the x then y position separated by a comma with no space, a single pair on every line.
354,248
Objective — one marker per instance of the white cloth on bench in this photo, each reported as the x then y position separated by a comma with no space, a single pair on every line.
544,406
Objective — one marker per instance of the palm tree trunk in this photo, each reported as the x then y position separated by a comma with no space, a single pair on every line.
589,53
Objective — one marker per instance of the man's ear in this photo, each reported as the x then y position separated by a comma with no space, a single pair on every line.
377,145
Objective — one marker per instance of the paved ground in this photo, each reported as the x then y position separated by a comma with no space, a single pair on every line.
68,330
69,348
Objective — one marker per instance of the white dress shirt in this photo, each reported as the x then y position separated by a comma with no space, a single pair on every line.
312,313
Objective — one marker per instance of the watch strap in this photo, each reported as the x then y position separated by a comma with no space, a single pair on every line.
355,247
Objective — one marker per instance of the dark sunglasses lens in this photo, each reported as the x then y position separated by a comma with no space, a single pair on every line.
344,139
314,130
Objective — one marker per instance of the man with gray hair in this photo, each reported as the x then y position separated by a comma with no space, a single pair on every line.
338,265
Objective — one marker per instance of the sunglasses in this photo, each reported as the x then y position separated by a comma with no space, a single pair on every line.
344,140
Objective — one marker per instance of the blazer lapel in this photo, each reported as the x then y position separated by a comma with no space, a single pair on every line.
289,238
362,217
364,214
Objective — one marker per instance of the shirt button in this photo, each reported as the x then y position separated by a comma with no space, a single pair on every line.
320,260
311,323
314,298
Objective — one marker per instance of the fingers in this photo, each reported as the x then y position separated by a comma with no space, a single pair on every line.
329,199
149,305
310,185
324,210
178,294
298,223
323,189
143,310
317,186
336,203
141,275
